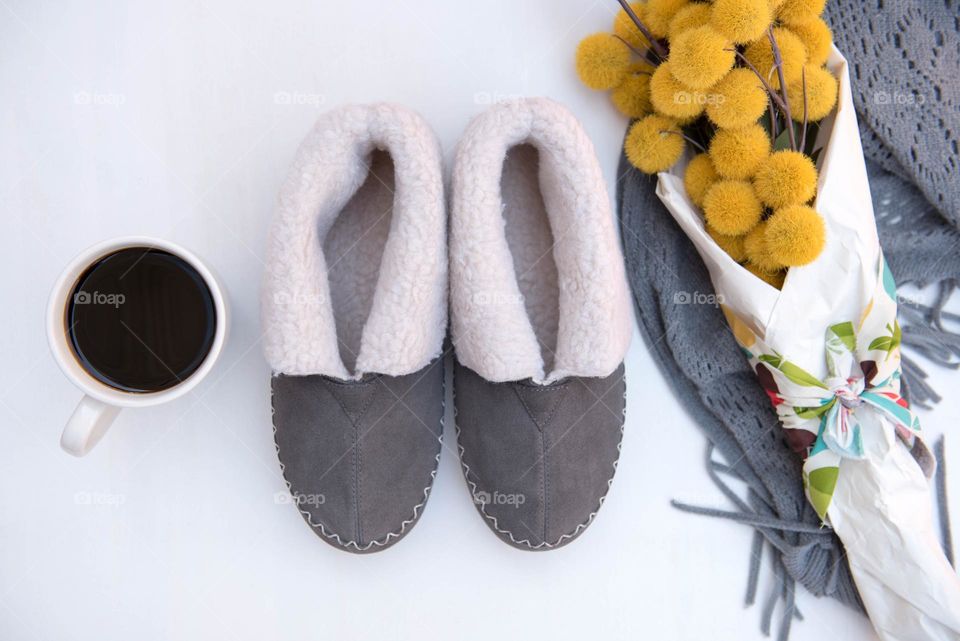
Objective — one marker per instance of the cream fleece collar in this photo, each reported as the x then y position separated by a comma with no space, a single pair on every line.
407,318
491,326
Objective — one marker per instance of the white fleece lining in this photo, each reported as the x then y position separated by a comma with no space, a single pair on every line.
356,260
354,251
530,240
499,326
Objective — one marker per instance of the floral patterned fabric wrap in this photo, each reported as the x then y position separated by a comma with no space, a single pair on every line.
829,419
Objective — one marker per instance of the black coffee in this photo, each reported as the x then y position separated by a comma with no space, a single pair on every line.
141,319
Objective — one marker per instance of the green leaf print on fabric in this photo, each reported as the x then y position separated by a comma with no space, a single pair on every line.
820,485
814,412
888,343
793,372
847,334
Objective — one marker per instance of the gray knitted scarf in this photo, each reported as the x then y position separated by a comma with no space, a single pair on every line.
904,58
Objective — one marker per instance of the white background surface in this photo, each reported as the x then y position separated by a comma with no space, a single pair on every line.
179,119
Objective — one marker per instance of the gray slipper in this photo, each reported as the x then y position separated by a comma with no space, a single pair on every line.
541,322
354,315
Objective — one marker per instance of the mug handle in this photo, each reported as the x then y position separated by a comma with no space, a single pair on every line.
87,425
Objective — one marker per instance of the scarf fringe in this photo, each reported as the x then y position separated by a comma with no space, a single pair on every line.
925,334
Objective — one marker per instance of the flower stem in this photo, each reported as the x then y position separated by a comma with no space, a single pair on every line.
766,85
778,63
803,135
685,137
773,121
655,45
642,54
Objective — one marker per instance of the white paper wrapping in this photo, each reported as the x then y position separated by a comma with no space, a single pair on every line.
881,507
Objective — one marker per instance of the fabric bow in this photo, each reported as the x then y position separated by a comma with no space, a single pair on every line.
849,395
825,419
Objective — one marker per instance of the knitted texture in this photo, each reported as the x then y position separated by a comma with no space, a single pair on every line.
911,160
904,58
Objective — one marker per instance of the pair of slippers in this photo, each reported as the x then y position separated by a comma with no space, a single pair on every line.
355,303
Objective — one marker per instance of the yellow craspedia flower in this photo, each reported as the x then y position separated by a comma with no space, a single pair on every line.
731,207
732,245
649,147
602,61
632,96
795,235
659,13
699,177
816,38
670,98
738,100
774,279
737,153
691,16
756,250
624,27
786,178
821,94
741,20
792,51
800,11
700,57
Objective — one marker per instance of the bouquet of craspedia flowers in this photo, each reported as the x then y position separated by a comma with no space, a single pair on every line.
742,83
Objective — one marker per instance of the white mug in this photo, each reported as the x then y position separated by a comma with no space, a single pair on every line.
101,403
